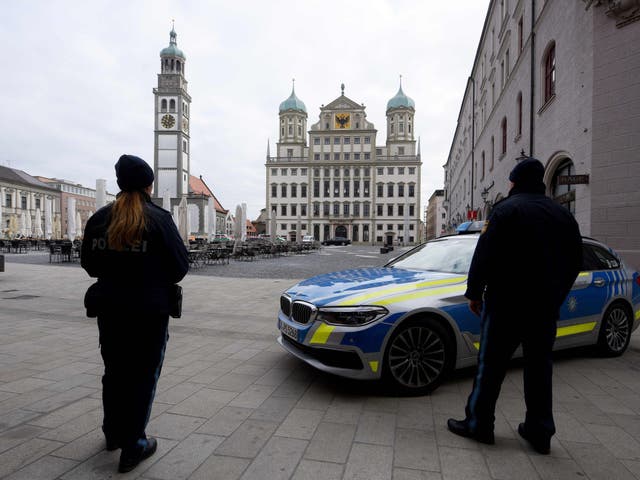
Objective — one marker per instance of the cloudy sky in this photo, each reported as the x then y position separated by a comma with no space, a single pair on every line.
78,77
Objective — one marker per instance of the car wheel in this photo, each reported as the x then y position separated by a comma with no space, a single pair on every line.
615,331
419,355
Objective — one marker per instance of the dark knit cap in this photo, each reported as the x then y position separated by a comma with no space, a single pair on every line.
133,173
529,171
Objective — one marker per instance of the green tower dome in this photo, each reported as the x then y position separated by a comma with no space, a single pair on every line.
400,101
293,103
172,50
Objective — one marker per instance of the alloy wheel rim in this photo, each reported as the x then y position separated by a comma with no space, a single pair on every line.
617,329
417,357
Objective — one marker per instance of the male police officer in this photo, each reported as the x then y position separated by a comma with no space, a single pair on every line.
524,265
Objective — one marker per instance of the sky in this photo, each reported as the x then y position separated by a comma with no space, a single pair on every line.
78,77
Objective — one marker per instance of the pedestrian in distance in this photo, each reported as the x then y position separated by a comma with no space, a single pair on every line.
135,251
524,265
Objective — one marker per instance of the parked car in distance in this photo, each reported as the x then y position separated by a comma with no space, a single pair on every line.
308,239
337,241
409,324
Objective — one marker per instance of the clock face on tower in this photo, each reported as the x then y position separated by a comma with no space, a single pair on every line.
168,121
343,120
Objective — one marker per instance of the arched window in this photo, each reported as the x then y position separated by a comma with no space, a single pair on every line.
178,65
503,127
163,105
172,64
172,105
493,151
550,72
519,113
483,164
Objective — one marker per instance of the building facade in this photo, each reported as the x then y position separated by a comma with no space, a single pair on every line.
85,200
436,215
341,184
22,197
556,80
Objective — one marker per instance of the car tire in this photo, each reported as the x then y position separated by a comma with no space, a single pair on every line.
418,357
615,330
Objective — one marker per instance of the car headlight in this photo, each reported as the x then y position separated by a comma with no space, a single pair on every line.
350,316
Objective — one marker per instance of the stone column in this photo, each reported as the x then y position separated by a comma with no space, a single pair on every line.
101,193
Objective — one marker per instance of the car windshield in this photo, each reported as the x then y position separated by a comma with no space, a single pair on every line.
451,254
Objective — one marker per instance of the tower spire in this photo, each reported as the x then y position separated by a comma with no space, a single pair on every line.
268,149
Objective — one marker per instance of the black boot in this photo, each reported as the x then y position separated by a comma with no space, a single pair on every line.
461,427
130,458
539,444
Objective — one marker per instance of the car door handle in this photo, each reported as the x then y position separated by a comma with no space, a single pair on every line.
599,282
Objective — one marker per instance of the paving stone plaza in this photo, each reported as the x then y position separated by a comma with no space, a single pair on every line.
231,404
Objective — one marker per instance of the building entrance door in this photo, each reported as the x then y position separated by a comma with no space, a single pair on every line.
341,231
389,239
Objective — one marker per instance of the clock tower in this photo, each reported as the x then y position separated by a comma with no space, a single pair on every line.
171,132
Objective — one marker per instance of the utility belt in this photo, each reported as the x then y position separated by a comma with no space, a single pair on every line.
107,298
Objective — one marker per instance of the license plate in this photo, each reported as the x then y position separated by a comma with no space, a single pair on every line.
289,331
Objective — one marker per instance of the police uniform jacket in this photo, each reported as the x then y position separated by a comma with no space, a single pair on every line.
528,256
139,279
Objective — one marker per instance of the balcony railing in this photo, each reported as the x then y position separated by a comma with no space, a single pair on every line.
377,159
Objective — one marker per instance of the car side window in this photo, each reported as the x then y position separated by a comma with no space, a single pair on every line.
597,258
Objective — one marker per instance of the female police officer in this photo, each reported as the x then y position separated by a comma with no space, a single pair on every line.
135,251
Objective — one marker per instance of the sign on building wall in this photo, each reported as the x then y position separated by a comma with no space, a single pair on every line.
573,179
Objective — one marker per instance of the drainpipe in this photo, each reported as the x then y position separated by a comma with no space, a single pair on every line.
533,80
473,134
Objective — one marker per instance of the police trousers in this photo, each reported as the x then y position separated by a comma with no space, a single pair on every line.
501,334
132,349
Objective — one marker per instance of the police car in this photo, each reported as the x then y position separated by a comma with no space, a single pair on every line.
408,323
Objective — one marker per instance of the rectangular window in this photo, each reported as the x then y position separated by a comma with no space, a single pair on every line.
303,190
366,187
316,156
412,190
356,140
356,188
412,210
336,188
336,140
336,172
390,190
401,189
316,188
289,152
347,156
400,226
550,73
23,203
345,187
356,156
390,210
283,226
37,203
378,151
316,141
316,209
283,210
294,190
520,34
326,156
367,156
327,188
294,171
411,227
274,191
390,170
327,141
303,209
412,170
294,210
345,209
367,140
400,170
379,210
347,172
316,172
326,172
389,226
379,227
336,208
356,209
325,209
366,210
274,172
283,190
380,190
367,172
303,171
400,209
336,156
283,171
347,140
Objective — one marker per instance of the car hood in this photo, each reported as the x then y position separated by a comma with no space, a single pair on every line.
374,286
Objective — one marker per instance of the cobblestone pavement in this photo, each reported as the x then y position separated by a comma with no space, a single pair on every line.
326,259
231,404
